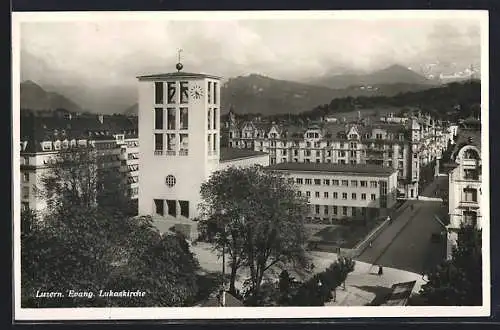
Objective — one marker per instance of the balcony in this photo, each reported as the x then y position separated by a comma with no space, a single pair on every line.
183,152
170,153
470,162
468,204
157,153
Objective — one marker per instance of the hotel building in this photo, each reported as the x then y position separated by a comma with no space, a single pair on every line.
465,186
403,146
44,139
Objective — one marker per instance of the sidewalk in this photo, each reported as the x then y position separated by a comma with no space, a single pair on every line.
362,285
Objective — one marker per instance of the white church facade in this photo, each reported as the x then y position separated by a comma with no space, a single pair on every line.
179,135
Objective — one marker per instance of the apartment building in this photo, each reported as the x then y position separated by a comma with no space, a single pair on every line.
44,139
465,186
342,192
404,147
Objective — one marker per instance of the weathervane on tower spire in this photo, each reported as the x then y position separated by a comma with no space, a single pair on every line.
179,65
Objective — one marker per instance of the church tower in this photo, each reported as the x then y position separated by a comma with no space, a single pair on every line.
179,116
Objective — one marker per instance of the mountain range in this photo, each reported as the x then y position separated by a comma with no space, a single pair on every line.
390,75
260,94
35,97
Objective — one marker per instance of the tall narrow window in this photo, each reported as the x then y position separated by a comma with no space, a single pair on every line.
171,89
209,94
214,142
171,144
184,118
209,117
209,143
158,142
184,145
215,93
184,205
158,92
159,206
158,118
171,118
184,92
172,207
215,118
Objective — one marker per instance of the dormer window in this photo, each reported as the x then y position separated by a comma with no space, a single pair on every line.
46,146
57,145
65,144
72,143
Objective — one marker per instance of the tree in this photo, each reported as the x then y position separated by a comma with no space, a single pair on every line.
258,218
87,241
346,266
166,270
458,282
71,179
287,288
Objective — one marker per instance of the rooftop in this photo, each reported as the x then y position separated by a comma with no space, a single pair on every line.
333,168
228,154
176,75
466,137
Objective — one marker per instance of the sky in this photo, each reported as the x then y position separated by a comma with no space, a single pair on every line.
107,53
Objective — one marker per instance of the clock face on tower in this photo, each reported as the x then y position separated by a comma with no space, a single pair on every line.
196,91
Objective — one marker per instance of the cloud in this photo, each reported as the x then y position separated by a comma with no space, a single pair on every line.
110,53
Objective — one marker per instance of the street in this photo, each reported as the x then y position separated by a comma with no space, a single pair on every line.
406,243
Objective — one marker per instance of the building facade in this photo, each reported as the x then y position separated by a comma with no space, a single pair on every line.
45,139
179,136
403,146
465,188
342,192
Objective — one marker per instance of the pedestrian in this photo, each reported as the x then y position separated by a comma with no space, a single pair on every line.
312,267
370,244
380,270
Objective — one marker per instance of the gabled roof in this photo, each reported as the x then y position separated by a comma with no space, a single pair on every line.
35,130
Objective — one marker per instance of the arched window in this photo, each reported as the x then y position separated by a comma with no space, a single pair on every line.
471,154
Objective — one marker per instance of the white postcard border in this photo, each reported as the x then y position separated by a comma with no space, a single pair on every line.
171,313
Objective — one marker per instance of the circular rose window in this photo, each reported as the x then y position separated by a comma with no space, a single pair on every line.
170,180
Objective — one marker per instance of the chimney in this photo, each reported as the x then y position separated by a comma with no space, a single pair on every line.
100,118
